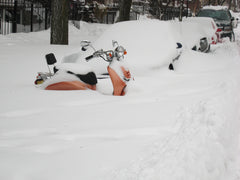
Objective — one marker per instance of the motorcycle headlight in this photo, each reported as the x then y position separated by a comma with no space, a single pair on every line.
120,51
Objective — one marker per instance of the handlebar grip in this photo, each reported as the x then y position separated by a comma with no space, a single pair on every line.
89,57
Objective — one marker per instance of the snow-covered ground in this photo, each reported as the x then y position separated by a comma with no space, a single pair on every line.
171,125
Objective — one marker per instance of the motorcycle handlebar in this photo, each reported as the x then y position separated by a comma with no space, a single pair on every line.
109,54
89,57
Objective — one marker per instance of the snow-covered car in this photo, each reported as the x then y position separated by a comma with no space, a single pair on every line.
235,19
222,17
197,33
149,44
210,28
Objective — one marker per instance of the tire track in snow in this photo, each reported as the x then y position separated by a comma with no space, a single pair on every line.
205,145
176,156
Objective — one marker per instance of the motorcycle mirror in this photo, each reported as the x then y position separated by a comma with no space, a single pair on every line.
84,48
179,45
51,59
114,43
85,43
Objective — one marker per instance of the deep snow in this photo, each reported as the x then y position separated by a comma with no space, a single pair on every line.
181,125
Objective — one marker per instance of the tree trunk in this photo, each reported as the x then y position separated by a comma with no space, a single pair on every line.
159,9
181,10
124,11
155,8
196,6
59,22
230,4
234,5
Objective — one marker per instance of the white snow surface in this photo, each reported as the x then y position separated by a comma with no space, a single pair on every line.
171,125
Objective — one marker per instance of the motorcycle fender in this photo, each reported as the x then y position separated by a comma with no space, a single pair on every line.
70,85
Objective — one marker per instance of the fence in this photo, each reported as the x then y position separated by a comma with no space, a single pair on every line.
23,16
31,15
172,13
92,13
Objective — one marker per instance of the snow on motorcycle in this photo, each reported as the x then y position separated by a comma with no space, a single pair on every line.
72,76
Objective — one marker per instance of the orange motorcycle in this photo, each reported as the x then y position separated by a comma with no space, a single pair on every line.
71,77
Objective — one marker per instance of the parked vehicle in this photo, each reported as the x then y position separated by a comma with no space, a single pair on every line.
161,36
195,33
222,17
72,76
235,20
212,32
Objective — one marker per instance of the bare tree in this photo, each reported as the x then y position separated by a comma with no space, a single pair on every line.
59,22
230,4
155,8
220,2
196,6
124,10
158,8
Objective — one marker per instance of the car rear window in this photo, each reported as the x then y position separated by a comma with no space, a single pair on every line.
215,14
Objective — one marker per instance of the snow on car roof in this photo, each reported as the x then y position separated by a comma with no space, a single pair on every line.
215,7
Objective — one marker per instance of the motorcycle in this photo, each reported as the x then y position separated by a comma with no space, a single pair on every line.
68,77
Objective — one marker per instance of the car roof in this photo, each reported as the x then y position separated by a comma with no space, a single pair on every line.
215,7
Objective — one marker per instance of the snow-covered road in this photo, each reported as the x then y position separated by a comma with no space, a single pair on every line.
181,125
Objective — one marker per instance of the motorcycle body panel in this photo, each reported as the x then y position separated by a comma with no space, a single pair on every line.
118,84
119,75
70,85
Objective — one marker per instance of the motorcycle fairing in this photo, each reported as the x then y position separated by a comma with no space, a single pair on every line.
118,84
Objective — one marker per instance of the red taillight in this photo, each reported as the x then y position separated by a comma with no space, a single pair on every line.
125,52
219,30
213,41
